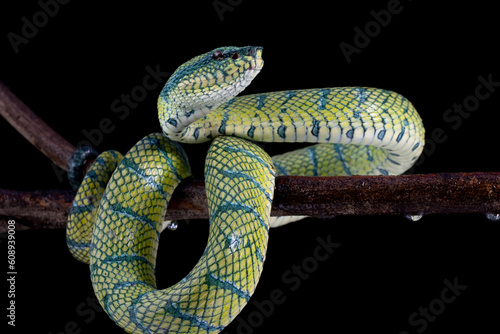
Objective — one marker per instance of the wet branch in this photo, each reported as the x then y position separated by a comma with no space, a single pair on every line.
313,196
294,195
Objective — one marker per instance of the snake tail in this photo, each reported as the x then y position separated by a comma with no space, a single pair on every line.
77,163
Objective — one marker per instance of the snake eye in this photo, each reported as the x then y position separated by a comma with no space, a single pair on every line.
235,55
218,55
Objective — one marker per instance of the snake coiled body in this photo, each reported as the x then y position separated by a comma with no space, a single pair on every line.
116,218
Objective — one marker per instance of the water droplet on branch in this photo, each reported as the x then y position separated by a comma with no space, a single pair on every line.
493,216
414,217
172,225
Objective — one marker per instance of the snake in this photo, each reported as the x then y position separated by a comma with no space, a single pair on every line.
116,218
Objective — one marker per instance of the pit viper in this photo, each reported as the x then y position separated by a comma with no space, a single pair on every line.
116,218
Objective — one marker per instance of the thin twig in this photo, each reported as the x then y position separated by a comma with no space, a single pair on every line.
313,196
34,129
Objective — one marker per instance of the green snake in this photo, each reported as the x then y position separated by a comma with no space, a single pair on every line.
117,215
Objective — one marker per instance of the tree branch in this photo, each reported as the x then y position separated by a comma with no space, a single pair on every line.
313,196
34,129
294,195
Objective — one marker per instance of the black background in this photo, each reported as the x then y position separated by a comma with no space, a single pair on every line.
88,54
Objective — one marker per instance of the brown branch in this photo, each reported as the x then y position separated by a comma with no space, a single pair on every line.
34,129
317,196
294,195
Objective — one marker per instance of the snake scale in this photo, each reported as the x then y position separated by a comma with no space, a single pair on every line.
116,218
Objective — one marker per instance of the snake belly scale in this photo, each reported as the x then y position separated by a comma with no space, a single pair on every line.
116,218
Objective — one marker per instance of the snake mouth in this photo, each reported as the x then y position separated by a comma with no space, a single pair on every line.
255,64
257,61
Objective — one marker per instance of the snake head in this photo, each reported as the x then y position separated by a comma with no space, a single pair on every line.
210,79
